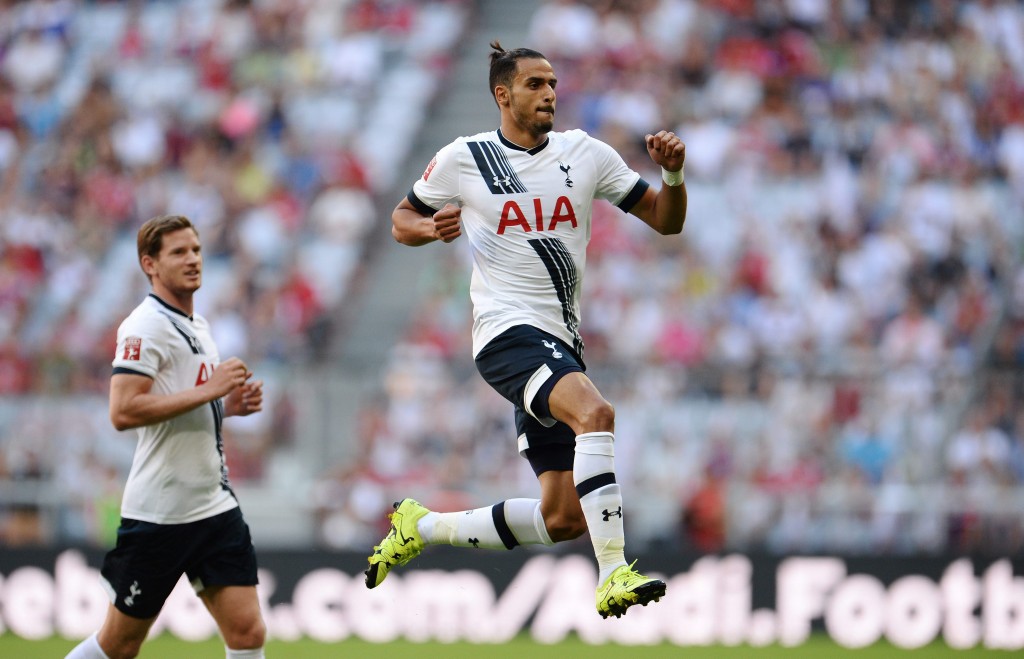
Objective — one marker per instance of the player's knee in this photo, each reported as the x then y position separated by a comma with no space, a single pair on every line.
248,636
598,416
565,527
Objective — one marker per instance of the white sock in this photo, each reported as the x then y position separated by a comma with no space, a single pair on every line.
593,472
524,518
88,649
256,653
501,526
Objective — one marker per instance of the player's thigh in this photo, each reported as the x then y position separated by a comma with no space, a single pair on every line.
228,557
522,364
576,401
122,634
237,612
145,564
225,578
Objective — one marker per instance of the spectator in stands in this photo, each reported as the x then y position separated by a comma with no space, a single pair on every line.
703,513
980,452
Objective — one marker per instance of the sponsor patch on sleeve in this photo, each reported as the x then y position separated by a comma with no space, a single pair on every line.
430,168
132,348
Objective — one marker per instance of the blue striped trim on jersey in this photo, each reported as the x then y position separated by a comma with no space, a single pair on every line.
217,404
190,338
633,196
424,209
495,168
121,370
562,269
169,307
529,151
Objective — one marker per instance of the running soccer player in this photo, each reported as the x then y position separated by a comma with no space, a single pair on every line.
523,195
178,513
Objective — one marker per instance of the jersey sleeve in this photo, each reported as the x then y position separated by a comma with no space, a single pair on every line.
616,182
141,347
439,184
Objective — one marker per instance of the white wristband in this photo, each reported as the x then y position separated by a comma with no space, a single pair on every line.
673,179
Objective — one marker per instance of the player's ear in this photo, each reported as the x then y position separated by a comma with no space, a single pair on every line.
148,265
501,95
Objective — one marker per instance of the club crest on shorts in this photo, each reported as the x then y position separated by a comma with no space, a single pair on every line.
134,590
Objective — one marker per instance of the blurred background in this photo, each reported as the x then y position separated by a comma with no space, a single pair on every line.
829,359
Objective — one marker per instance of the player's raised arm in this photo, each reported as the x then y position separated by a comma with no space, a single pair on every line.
410,227
665,210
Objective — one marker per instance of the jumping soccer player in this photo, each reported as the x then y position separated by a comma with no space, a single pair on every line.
523,195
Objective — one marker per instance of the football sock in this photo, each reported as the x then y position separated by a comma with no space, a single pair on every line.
502,526
256,653
593,472
524,518
88,649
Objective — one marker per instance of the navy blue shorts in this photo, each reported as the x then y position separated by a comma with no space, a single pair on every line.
149,559
523,364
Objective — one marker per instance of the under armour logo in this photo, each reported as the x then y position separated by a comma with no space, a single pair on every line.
554,349
474,541
502,180
565,169
134,590
608,515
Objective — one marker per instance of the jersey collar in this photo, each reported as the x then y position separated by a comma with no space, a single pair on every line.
169,307
512,145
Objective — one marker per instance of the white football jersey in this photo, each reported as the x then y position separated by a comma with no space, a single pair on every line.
178,473
526,214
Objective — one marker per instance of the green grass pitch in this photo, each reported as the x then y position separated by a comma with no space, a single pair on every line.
818,647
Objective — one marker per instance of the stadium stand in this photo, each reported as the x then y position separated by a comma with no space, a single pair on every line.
817,352
829,360
273,125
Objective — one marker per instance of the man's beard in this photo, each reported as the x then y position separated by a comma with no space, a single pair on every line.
532,124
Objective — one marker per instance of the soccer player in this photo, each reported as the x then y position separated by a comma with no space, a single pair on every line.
178,514
523,196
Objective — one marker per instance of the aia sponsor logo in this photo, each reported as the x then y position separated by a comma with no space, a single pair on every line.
205,371
132,349
512,216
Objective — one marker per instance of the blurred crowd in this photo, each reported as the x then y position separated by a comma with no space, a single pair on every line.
272,124
258,120
829,358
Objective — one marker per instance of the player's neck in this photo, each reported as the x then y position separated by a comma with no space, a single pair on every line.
520,136
181,301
